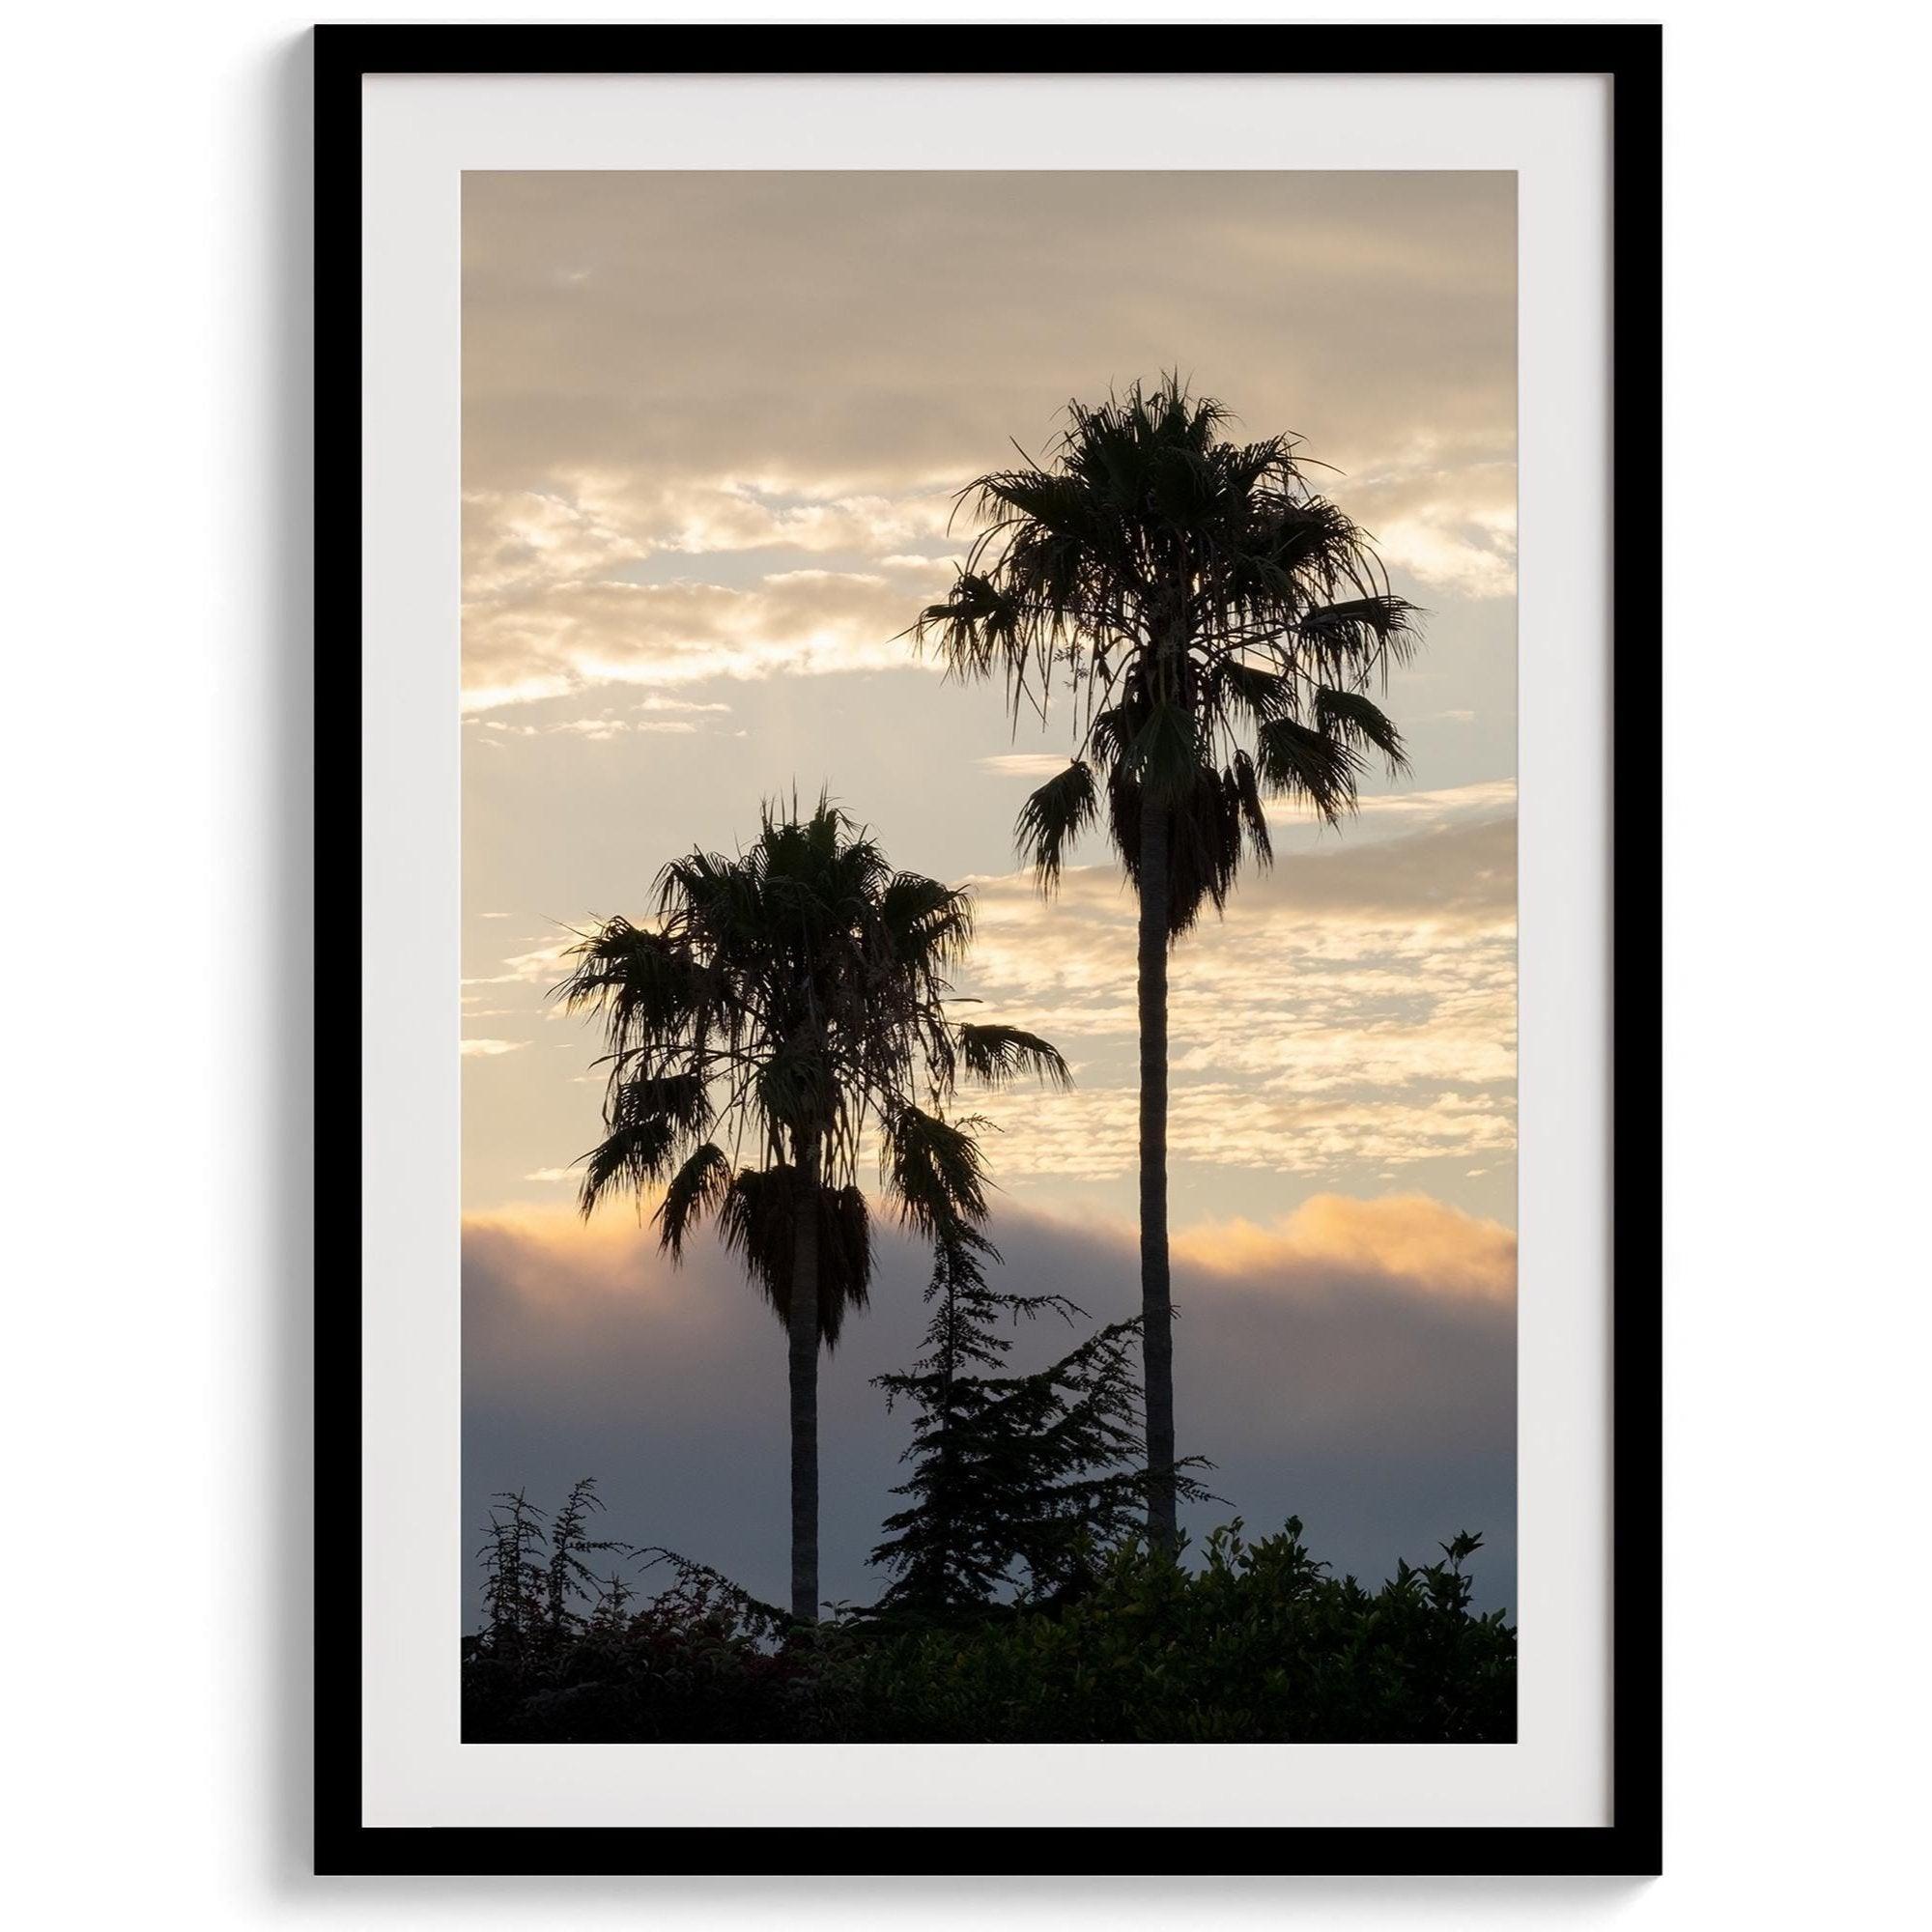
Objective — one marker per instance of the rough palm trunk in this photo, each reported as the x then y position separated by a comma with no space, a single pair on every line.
802,1326
1157,1329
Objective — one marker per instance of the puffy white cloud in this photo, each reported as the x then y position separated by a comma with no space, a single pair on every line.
1446,518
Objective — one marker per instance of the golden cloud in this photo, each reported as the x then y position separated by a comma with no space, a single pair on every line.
571,634
1354,1012
550,1257
1424,1243
1355,1008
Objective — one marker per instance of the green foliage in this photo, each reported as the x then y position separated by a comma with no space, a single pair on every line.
700,1662
1256,1644
1259,1645
513,1580
534,1567
1016,1480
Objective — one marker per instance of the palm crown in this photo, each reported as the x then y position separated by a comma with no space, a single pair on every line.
1219,626
783,1004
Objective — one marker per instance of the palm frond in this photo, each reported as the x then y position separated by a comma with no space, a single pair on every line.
999,1055
968,629
1368,631
757,1222
1244,783
1257,693
678,1099
926,920
934,1170
1353,716
642,981
633,1156
696,1190
796,1083
1165,754
1053,817
1302,762
1204,825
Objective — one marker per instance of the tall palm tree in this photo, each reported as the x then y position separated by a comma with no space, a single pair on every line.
1217,625
788,1002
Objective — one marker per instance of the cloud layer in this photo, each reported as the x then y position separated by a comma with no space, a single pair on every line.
1355,1364
1356,1007
714,425
1352,1015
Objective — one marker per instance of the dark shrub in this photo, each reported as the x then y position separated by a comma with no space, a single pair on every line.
1260,1644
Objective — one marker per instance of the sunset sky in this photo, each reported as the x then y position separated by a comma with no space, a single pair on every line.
713,430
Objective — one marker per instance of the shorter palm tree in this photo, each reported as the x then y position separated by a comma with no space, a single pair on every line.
783,1008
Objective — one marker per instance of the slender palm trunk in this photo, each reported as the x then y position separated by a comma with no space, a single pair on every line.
1157,1316
802,1326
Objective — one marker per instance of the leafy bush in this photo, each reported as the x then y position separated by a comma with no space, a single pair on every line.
1259,1644
699,1664
702,1661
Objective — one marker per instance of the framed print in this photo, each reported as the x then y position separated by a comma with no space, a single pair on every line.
1000,831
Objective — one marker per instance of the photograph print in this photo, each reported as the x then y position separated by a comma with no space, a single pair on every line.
989,920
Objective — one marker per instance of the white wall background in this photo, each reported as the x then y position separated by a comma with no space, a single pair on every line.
154,1085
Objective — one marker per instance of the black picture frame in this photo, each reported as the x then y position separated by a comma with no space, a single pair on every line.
1632,1842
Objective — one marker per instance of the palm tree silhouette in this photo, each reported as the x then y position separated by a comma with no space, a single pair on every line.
1218,626
788,1001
